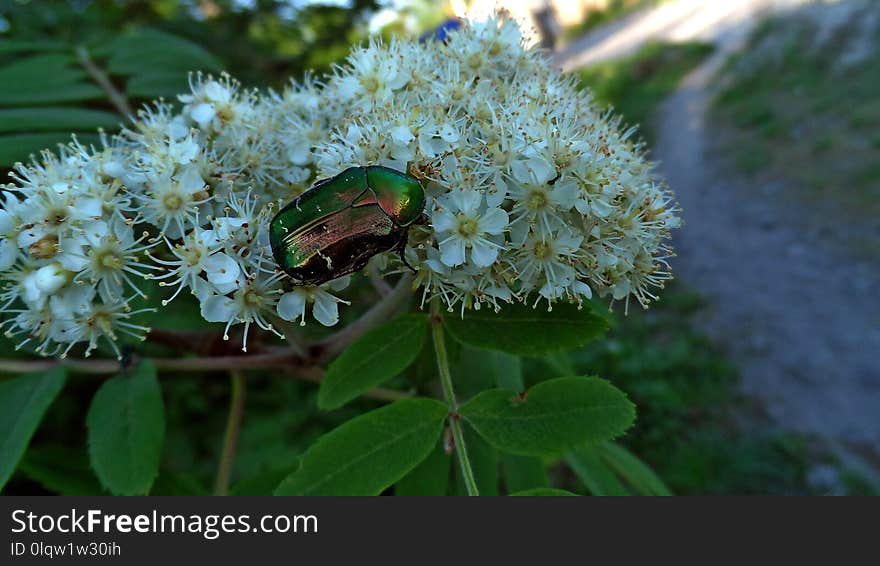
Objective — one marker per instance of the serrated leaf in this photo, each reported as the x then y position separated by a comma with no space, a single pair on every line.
431,477
369,453
632,469
595,474
23,402
126,430
61,470
543,492
376,357
524,331
54,118
523,472
553,417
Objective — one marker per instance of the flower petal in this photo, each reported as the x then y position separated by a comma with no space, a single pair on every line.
452,252
494,221
292,306
325,309
482,254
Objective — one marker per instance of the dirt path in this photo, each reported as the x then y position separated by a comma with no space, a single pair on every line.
800,316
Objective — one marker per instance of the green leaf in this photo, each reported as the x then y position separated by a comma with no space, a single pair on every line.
431,477
474,370
46,79
378,356
55,118
523,472
508,371
521,330
157,84
553,417
18,147
543,492
126,430
22,46
595,474
636,473
61,470
369,453
23,402
610,469
167,52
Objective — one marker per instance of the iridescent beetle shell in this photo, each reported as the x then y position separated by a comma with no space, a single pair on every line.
335,227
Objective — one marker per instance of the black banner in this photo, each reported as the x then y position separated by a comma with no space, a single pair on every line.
458,530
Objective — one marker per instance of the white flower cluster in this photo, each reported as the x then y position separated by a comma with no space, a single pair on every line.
532,194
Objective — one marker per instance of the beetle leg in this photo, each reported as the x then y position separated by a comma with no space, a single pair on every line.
401,248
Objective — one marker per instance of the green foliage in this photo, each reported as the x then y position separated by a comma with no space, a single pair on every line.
378,356
57,91
126,424
690,411
551,417
544,492
60,469
369,453
610,469
52,52
286,444
596,476
23,402
521,330
523,472
431,477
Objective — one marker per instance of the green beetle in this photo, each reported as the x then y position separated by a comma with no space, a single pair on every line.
335,227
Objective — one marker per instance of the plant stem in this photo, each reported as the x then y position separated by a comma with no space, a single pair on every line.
449,393
230,437
99,76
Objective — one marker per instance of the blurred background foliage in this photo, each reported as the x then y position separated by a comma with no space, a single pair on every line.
693,428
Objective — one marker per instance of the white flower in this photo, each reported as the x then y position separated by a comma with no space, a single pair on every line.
325,307
106,256
461,225
534,194
249,304
223,272
170,201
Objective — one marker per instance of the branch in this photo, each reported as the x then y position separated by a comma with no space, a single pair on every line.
377,281
334,344
99,76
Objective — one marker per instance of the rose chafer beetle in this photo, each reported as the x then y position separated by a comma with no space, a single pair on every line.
335,227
